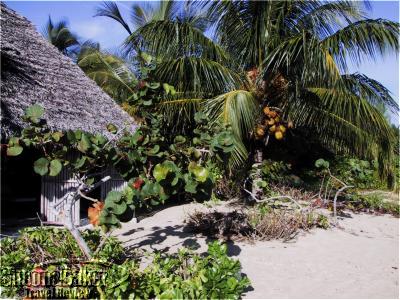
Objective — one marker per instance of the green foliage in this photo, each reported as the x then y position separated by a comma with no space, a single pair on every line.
184,275
357,172
52,247
322,163
190,276
374,203
360,172
275,171
166,166
59,35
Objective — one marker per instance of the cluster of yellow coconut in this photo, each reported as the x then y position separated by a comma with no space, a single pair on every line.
271,124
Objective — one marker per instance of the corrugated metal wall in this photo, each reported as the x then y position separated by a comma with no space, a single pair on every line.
116,183
54,189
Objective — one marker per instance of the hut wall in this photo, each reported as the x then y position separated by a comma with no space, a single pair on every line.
116,183
54,190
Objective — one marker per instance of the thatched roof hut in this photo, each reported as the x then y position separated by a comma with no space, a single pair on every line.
34,71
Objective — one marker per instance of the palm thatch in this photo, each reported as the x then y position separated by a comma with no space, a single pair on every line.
34,71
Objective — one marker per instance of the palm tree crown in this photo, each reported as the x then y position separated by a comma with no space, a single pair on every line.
60,36
297,53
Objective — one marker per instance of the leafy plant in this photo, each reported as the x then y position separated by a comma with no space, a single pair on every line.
361,173
156,165
54,253
374,203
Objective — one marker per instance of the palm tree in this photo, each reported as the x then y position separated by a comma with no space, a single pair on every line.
299,51
60,36
109,70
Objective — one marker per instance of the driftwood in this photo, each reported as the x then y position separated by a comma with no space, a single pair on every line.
327,180
253,196
70,199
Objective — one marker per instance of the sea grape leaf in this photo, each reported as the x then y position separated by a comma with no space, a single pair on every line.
55,167
34,112
200,173
84,143
41,166
14,150
112,128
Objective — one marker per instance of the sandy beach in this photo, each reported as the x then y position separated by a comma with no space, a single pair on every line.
360,259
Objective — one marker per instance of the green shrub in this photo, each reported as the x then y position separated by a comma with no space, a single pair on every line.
275,171
357,172
375,203
54,251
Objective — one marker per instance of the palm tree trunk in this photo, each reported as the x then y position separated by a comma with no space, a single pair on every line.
256,188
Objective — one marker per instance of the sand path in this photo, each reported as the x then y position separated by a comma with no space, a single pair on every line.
360,260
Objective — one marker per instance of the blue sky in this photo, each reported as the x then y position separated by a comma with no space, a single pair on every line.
110,34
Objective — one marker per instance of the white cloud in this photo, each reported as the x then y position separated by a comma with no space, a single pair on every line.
88,29
105,31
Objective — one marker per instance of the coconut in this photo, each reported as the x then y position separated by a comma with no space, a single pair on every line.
260,131
273,114
278,135
271,122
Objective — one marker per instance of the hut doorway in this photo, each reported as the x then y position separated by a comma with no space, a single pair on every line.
20,190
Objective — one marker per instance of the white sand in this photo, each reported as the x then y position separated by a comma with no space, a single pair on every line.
359,261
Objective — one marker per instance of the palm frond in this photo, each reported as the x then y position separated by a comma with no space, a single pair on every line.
302,57
328,17
240,110
109,71
180,112
59,35
110,9
363,39
172,39
345,123
371,90
198,75
141,15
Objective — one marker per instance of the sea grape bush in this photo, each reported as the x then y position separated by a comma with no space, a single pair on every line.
362,173
156,165
46,249
354,171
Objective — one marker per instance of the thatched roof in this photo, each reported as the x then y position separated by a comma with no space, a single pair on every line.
34,71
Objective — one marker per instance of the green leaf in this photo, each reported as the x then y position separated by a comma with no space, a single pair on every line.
108,219
112,128
41,166
191,186
154,150
169,89
200,173
34,112
113,196
116,208
55,167
321,163
57,136
14,141
14,150
148,102
160,172
84,143
146,57
80,162
179,139
153,85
